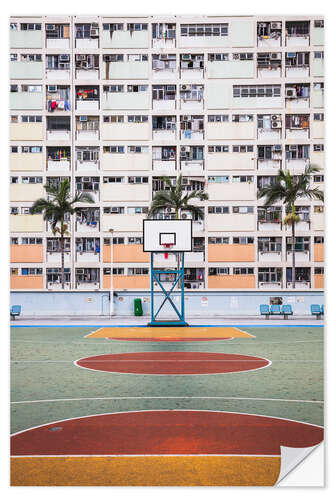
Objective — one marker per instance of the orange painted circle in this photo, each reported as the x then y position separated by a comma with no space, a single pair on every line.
172,363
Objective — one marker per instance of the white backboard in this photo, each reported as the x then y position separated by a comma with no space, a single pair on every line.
177,233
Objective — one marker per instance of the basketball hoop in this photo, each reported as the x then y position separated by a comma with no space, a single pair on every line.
166,246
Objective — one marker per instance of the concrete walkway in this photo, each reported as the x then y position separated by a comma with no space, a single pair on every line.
142,321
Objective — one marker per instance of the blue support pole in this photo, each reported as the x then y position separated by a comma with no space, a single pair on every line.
179,276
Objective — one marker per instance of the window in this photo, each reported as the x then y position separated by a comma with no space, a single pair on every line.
319,55
53,245
218,149
136,240
256,91
319,239
243,270
319,117
31,88
221,178
137,57
319,270
31,27
137,149
217,240
137,27
204,29
242,118
218,118
113,27
318,209
31,57
218,210
114,210
137,210
32,180
242,178
242,210
114,149
32,241
318,23
14,241
14,210
113,119
268,244
108,180
13,57
113,88
31,271
137,118
243,240
136,271
318,178
318,147
137,88
216,271
14,149
243,56
31,119
242,149
113,58
269,274
115,270
137,180
116,241
218,57
53,274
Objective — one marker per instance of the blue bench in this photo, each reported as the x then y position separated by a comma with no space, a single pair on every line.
316,310
15,311
264,310
276,310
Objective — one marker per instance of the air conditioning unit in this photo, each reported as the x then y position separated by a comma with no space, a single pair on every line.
290,93
185,118
277,147
52,88
293,147
276,26
276,56
80,271
107,58
64,57
291,55
64,65
185,87
50,27
83,118
170,210
186,57
276,117
171,34
171,88
277,124
86,179
114,210
81,57
235,56
163,56
94,32
85,64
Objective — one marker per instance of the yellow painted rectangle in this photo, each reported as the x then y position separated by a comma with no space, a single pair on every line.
145,471
169,332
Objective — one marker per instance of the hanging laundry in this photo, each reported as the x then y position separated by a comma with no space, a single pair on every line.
60,104
53,105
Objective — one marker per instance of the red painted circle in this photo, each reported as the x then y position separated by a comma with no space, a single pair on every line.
166,432
163,339
172,363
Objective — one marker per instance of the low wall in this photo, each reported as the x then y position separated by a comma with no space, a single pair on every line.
205,304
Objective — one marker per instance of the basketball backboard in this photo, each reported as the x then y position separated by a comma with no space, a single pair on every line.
174,235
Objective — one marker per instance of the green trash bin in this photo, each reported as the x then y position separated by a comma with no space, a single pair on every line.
138,307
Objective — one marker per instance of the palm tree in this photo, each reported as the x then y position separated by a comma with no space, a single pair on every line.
55,208
288,189
173,197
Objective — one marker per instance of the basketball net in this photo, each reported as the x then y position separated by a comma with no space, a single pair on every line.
166,246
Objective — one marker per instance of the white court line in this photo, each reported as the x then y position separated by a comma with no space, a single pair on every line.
146,455
123,342
173,360
166,397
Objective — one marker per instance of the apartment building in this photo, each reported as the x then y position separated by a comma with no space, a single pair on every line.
114,103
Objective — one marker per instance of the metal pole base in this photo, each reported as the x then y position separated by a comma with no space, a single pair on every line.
167,323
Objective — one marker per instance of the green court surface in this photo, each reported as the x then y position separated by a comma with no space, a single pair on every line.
47,386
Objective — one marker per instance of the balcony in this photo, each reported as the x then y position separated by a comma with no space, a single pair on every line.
88,220
87,36
191,97
87,98
58,67
300,285
55,257
87,128
270,285
300,256
298,33
269,34
270,256
191,167
164,128
57,36
191,66
164,66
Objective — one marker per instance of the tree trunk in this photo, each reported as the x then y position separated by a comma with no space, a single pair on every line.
293,271
62,249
